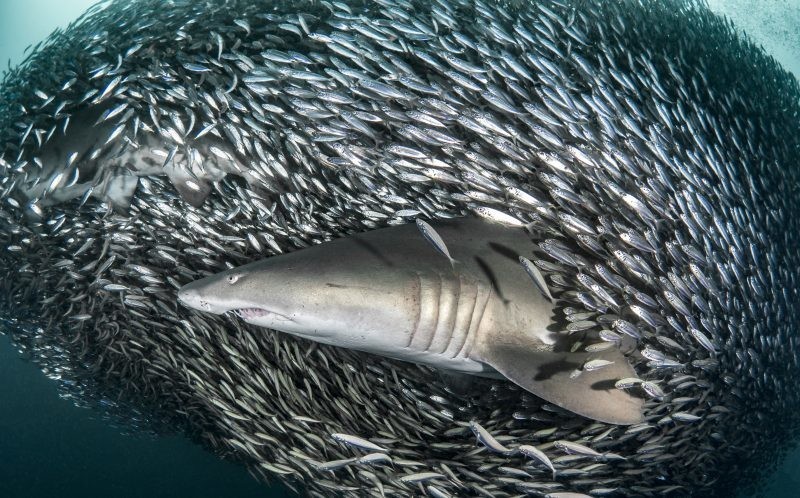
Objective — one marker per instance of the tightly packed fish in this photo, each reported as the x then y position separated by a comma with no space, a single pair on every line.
653,153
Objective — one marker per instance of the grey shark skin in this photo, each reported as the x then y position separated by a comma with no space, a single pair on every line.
110,172
388,292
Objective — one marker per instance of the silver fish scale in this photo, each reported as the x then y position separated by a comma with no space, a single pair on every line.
658,174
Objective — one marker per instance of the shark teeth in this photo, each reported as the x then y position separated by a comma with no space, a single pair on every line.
246,313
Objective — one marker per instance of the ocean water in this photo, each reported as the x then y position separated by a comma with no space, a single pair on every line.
48,447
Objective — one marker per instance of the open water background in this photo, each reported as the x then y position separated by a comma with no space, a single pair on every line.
50,448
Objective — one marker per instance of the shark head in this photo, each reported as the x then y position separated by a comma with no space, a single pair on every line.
233,291
339,293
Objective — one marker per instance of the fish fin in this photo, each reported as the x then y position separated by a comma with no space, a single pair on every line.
548,374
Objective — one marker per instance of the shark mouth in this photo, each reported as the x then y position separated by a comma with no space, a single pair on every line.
248,313
254,313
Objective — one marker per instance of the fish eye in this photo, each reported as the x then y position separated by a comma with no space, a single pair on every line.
232,279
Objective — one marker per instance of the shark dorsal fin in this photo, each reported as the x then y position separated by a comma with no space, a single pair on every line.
550,375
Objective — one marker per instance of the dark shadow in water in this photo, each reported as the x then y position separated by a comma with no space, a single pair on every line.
51,448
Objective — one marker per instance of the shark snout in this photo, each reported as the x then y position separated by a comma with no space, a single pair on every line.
196,297
215,295
191,297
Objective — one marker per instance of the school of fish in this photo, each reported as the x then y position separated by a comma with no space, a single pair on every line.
649,149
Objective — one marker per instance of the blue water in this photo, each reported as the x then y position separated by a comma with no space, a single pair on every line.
50,448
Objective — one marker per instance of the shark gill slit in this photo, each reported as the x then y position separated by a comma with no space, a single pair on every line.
418,307
449,297
475,323
430,337
468,298
426,326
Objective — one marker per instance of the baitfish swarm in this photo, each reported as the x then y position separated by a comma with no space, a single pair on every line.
652,152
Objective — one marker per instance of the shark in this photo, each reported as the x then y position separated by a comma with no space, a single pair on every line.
390,292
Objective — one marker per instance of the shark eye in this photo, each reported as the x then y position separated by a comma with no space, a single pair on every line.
232,279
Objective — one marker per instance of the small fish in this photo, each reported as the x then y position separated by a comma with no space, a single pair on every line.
652,389
627,328
536,276
593,365
335,464
488,440
421,476
531,451
496,216
580,325
196,68
598,347
357,442
374,458
685,417
115,287
436,492
703,340
576,448
610,336
627,382
432,236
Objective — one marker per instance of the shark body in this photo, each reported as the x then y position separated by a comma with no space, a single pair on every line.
389,292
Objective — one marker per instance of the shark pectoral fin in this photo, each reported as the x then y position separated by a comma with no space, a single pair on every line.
550,375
